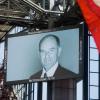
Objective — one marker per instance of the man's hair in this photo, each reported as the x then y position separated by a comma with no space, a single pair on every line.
48,36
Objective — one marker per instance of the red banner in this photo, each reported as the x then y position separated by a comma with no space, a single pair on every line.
91,13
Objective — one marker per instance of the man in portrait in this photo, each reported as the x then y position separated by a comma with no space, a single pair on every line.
50,51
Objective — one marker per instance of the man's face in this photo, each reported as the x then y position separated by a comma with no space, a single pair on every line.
49,52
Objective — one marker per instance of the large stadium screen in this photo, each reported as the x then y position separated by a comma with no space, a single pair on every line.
46,55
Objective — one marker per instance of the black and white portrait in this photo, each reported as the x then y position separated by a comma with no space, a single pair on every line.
49,51
48,54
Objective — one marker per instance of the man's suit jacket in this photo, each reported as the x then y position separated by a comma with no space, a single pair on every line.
59,74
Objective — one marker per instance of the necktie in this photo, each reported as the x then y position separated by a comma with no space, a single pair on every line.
45,75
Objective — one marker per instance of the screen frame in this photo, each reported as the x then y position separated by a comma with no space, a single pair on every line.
81,37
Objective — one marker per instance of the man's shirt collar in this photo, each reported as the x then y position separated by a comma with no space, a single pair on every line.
51,71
